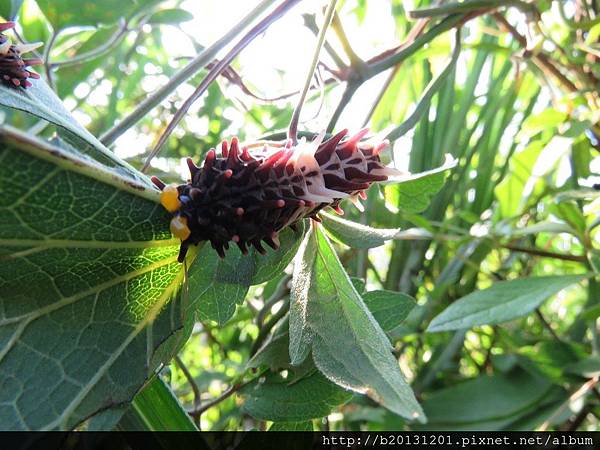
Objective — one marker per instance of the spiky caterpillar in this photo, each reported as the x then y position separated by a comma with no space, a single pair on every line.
248,195
14,69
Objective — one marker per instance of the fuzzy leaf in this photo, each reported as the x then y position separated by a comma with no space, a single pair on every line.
329,318
414,193
389,308
354,234
277,400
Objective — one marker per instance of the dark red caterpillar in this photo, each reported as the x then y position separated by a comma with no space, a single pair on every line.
248,195
13,68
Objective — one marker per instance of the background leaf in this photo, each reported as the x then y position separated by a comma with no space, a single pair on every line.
277,400
388,308
504,301
354,234
65,13
10,8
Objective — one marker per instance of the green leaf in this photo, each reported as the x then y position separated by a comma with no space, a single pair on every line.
292,426
170,17
155,408
66,13
275,352
222,284
359,284
274,398
414,193
548,118
354,234
329,318
510,191
484,403
588,367
10,8
89,282
501,302
389,308
40,101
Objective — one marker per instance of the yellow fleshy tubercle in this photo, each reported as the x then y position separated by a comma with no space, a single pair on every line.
179,227
169,198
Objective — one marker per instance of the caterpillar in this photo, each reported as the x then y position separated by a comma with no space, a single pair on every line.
248,194
13,68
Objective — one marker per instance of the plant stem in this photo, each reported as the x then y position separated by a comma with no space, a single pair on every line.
193,384
98,51
46,58
311,24
351,88
468,6
355,60
544,253
228,393
183,75
293,128
218,68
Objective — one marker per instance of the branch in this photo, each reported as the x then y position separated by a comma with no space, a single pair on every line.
183,75
544,253
541,60
46,58
228,392
468,6
98,51
195,388
355,60
284,7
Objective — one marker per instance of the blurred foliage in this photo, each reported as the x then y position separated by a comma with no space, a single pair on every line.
519,111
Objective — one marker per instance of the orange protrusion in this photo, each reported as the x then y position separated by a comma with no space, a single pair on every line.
179,227
169,198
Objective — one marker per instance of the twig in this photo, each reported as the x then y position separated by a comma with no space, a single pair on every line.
311,24
98,51
194,385
470,5
183,75
544,253
351,88
541,60
546,325
268,326
584,389
46,58
284,7
228,392
293,127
